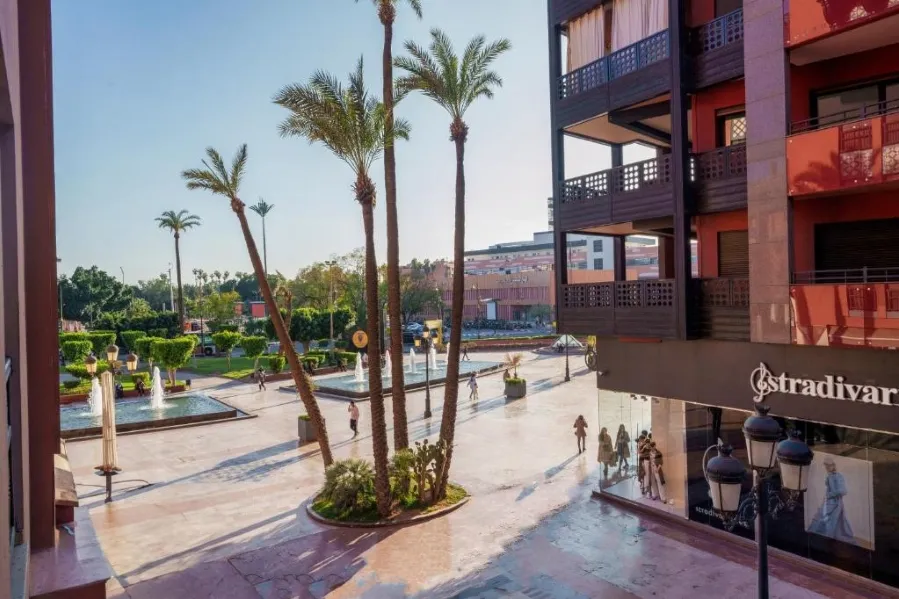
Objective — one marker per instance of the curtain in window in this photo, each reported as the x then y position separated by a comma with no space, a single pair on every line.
629,23
656,16
586,39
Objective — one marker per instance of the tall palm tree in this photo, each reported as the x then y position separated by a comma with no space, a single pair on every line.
217,178
178,223
351,123
387,15
454,83
262,208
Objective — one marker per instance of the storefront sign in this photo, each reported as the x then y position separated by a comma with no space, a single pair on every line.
764,382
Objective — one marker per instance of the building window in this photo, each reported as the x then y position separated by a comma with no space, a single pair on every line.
723,7
597,245
732,128
854,103
597,264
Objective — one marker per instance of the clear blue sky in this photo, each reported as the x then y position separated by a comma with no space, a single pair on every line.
141,88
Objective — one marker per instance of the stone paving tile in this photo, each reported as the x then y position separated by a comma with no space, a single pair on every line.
215,580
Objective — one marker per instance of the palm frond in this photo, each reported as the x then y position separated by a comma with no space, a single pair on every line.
215,177
262,208
177,221
238,167
416,7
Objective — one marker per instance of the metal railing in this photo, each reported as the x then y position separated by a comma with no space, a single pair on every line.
861,113
618,180
718,33
617,64
723,293
649,293
855,275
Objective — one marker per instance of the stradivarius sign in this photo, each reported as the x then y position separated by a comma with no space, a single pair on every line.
764,382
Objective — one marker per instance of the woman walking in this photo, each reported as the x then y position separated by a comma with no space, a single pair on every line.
580,431
260,378
473,385
606,455
353,410
622,446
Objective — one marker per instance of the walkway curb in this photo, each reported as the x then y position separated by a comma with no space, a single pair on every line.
382,524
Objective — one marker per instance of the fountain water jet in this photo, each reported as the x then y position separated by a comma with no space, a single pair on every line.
388,366
432,358
95,399
358,374
157,393
411,360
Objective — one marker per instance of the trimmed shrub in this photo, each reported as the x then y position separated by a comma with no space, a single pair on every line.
80,370
173,353
254,347
349,356
276,363
143,348
137,376
129,338
72,384
160,333
63,337
76,351
227,328
226,341
100,340
350,485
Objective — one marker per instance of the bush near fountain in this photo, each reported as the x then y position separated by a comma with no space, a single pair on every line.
348,495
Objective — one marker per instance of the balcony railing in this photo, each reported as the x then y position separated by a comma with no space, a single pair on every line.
721,163
846,314
724,293
621,179
726,29
617,64
855,275
723,308
807,20
626,308
846,150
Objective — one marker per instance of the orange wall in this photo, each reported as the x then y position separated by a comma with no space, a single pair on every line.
705,106
700,11
808,213
871,65
707,228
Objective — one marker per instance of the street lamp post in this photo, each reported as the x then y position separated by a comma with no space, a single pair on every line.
724,474
477,307
330,264
567,370
426,347
171,291
112,356
90,364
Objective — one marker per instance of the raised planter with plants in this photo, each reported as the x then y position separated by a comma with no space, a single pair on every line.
516,387
305,429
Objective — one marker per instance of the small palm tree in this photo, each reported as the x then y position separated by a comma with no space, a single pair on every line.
220,180
387,16
454,84
262,208
178,223
351,123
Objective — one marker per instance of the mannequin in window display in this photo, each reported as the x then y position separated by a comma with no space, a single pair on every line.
606,455
830,519
643,472
658,475
623,447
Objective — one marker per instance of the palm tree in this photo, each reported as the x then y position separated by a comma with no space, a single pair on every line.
387,15
454,84
352,124
262,208
177,223
218,179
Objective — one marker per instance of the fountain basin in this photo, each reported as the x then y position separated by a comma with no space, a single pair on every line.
76,421
346,386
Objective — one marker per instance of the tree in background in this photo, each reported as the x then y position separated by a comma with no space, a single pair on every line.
226,341
173,353
156,291
454,83
220,180
178,223
130,338
89,292
351,123
76,350
254,347
138,308
285,296
418,294
143,347
387,16
100,340
262,208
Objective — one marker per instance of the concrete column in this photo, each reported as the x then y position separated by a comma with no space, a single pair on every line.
619,256
767,117
667,256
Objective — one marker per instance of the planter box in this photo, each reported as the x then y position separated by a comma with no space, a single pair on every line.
68,398
306,431
516,390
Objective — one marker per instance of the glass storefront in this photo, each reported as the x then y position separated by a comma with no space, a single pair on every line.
848,519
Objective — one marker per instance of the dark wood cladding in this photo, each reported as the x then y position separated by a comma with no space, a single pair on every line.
723,309
720,179
586,105
566,10
717,49
622,308
622,194
639,86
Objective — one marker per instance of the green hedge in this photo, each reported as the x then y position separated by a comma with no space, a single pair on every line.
101,340
63,337
145,376
76,351
80,370
72,384
129,339
276,363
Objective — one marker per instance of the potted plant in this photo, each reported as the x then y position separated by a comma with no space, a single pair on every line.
305,429
516,387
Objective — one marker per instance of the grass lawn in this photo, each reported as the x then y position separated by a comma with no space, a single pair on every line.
409,507
219,366
85,387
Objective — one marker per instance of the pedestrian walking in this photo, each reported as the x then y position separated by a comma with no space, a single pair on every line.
580,431
473,386
260,378
465,353
354,417
606,455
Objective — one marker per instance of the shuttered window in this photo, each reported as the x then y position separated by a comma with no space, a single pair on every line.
733,254
856,245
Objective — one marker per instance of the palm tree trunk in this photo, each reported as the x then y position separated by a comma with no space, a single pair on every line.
299,378
375,386
264,248
180,289
400,426
451,390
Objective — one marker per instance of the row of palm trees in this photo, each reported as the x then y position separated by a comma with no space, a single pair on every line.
182,221
358,128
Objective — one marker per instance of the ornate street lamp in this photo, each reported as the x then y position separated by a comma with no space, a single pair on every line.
90,364
567,370
131,362
426,347
725,475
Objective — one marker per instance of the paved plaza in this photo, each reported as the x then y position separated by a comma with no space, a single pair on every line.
224,515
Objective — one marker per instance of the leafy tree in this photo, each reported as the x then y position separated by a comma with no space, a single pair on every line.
100,340
76,351
173,353
130,338
90,292
387,15
418,294
178,223
352,124
218,307
156,291
138,308
254,347
454,83
220,180
226,341
262,208
143,347
255,327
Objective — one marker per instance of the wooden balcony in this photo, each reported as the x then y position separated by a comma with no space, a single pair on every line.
635,73
807,21
855,149
723,309
719,179
626,193
717,49
621,308
562,11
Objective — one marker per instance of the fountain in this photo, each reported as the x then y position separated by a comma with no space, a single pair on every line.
358,374
157,393
95,399
388,365
411,360
432,358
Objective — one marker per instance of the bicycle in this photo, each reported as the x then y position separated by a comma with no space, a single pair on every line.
591,357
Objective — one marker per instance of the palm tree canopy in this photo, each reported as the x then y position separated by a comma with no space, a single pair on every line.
215,177
177,222
390,5
262,208
347,120
452,82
